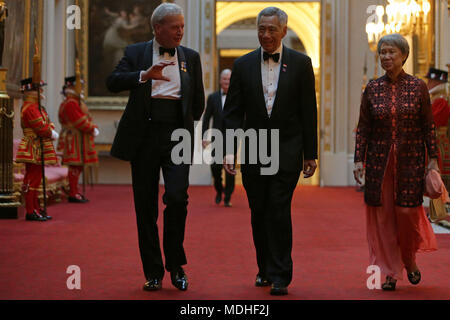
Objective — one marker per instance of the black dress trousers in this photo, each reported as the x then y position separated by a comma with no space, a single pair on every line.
155,154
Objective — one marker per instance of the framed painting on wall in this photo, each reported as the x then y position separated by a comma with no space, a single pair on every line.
23,28
110,26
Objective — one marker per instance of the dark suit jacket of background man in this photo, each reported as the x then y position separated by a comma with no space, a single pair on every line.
139,57
294,110
213,109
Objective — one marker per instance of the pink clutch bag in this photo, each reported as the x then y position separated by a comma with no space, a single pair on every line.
433,184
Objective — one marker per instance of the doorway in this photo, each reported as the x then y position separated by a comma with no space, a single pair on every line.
236,36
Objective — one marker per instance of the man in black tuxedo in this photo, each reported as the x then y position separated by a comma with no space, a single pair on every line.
166,93
273,88
214,107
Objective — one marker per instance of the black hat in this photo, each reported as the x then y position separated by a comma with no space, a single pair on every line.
70,81
437,74
28,85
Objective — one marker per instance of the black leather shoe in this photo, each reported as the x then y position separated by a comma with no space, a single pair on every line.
45,215
34,216
179,279
228,204
414,277
278,290
153,285
218,198
389,285
78,199
262,282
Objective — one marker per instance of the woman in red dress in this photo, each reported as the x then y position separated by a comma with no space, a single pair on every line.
395,133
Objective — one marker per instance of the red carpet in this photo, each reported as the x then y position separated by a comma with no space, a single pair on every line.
329,251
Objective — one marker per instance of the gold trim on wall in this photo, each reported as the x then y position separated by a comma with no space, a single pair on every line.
40,24
81,42
65,44
326,94
28,47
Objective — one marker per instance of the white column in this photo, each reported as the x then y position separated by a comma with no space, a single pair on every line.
53,55
334,93
69,46
442,34
199,34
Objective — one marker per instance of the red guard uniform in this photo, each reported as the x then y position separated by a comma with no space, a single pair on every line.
35,125
77,126
441,115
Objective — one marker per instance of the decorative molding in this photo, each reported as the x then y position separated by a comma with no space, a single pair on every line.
327,69
208,44
26,46
304,20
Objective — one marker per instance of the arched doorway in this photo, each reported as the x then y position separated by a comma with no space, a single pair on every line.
236,35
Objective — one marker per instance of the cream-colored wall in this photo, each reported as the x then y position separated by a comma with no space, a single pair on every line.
442,27
358,54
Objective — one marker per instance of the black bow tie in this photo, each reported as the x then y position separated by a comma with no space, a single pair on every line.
275,57
170,51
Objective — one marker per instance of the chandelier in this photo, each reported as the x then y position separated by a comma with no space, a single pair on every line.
406,17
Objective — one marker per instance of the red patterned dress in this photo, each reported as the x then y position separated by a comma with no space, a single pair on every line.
395,133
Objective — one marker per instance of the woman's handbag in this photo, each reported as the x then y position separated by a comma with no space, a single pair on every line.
435,189
438,210
434,185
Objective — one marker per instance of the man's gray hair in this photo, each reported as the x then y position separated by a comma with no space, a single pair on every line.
163,10
224,71
273,11
396,40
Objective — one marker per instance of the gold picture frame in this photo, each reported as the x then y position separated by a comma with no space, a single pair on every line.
25,19
95,74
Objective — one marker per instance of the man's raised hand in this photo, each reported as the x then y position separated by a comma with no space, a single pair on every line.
155,71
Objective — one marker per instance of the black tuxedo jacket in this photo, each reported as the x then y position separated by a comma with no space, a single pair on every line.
139,57
213,109
294,110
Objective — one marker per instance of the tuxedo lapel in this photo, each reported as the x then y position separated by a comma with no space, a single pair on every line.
219,105
148,55
283,80
184,78
147,63
258,81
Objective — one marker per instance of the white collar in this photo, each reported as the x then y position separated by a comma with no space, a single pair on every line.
156,46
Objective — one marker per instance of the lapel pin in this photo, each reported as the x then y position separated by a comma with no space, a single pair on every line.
183,66
284,67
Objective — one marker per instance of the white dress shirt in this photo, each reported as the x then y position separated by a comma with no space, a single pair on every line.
223,96
270,72
166,89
